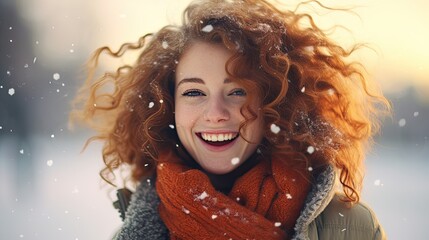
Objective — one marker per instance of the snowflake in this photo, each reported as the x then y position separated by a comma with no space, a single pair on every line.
164,44
310,149
274,128
235,161
56,76
207,28
202,196
49,163
377,182
186,211
402,122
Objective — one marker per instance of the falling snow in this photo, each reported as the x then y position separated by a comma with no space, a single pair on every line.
164,44
56,76
408,121
185,210
274,128
202,196
377,183
402,122
235,161
310,149
49,163
11,91
207,28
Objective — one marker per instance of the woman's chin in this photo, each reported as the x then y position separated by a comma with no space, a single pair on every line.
220,169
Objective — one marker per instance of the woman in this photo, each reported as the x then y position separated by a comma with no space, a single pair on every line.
240,124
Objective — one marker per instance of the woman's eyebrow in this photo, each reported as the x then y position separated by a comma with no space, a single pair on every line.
191,80
198,80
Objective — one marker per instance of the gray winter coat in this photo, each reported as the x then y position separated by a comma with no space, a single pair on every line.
324,216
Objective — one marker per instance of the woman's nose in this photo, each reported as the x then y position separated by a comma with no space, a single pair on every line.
216,111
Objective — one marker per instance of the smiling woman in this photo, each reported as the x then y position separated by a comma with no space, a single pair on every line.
207,105
245,119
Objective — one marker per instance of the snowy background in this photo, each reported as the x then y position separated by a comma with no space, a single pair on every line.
50,190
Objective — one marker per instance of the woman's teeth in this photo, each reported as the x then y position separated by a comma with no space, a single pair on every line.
218,137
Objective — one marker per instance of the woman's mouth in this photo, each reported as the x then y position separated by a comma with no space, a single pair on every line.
218,139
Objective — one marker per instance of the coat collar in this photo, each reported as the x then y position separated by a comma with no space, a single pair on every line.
143,221
317,200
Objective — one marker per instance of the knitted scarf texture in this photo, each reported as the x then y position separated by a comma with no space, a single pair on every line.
264,203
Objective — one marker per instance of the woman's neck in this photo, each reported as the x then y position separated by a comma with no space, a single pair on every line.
222,182
225,182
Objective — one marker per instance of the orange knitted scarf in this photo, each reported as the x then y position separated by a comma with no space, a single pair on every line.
264,203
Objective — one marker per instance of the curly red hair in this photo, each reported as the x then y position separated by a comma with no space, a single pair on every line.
325,106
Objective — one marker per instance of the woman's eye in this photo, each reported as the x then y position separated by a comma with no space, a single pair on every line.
238,92
193,93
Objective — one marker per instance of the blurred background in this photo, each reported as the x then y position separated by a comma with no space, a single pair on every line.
50,190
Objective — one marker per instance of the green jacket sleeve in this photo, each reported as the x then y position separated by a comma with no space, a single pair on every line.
340,221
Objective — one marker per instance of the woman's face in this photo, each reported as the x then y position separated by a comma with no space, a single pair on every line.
207,106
